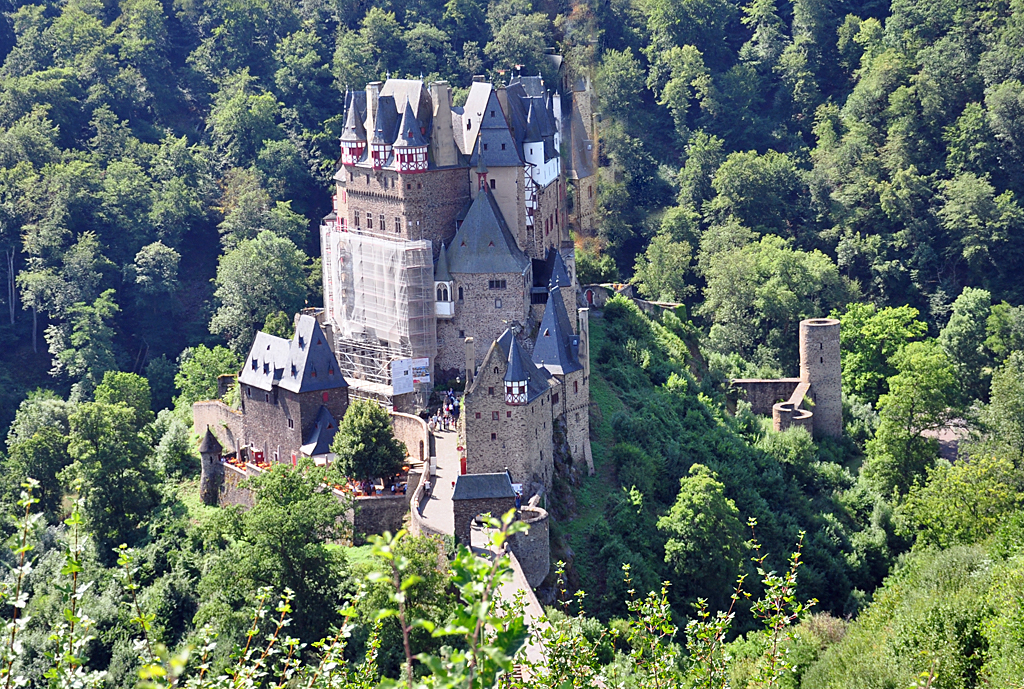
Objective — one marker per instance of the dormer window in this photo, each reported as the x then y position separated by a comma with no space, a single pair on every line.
330,371
312,372
295,371
254,363
302,342
266,367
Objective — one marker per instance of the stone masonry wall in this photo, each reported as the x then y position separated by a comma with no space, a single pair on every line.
231,492
533,548
425,204
500,435
763,394
467,510
576,398
477,316
266,416
550,220
375,515
413,431
225,423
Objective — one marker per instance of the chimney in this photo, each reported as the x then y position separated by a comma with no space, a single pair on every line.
584,353
470,362
372,94
442,137
502,95
479,78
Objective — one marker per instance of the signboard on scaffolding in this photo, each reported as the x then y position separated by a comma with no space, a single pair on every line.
407,373
420,371
401,376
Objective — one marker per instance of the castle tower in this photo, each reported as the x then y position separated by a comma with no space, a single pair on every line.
411,145
353,137
820,366
212,475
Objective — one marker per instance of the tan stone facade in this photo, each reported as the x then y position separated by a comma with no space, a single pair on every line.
483,312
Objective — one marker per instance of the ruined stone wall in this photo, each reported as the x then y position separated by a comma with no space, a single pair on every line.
763,394
225,423
500,435
549,221
478,316
533,548
231,490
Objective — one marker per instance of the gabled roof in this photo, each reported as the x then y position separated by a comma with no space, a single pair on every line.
302,364
320,437
468,119
483,487
409,133
210,444
441,273
354,129
557,347
581,147
533,124
501,151
484,243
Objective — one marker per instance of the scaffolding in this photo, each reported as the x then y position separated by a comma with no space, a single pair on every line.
381,301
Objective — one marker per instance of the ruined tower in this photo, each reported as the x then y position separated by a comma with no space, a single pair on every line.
820,366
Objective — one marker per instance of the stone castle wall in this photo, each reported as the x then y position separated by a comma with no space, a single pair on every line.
425,204
533,548
225,423
413,431
467,510
763,394
477,316
500,436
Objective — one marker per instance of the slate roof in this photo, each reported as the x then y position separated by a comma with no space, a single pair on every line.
581,148
481,99
557,347
409,133
508,347
304,363
209,444
484,243
441,273
320,437
558,273
354,129
483,487
385,126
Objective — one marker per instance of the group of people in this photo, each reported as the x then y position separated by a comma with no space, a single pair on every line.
447,415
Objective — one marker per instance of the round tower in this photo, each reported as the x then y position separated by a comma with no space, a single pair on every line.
819,366
212,475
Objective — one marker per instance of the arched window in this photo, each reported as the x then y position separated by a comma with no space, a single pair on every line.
439,293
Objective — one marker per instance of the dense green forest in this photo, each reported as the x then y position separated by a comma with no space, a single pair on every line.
163,167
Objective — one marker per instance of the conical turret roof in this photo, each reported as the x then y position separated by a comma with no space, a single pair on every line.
409,132
209,444
516,370
354,129
441,273
559,273
557,347
481,167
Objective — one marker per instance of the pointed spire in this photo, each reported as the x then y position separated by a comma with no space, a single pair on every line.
354,129
441,273
559,273
481,167
516,372
409,133
210,444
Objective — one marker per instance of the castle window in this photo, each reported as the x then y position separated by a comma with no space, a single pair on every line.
462,333
497,284
324,396
492,113
554,398
495,370
508,415
821,360
398,225
408,185
485,145
575,386
503,147
478,415
248,392
494,416
497,303
460,299
291,423
266,396
367,179
515,392
490,391
418,185
577,416
492,184
302,342
590,192
254,363
369,221
469,124
356,216
494,436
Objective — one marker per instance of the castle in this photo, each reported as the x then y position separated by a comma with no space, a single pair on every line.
450,227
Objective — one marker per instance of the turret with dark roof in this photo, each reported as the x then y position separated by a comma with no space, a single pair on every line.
354,129
557,347
409,132
441,273
210,445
